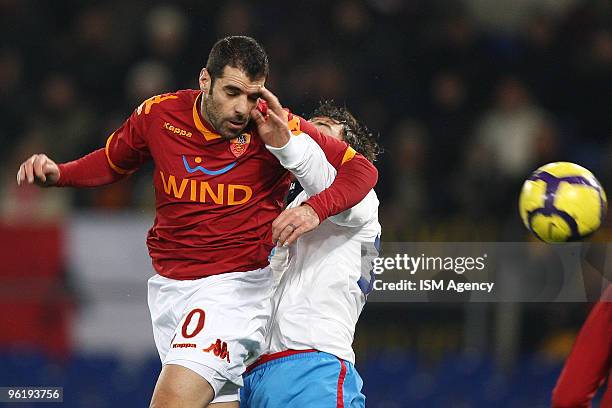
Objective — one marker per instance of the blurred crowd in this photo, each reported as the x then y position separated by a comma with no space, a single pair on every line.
468,97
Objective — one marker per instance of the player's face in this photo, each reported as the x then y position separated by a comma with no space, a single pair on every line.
329,126
229,100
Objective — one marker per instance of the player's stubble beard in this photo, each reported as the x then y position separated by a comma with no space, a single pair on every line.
211,111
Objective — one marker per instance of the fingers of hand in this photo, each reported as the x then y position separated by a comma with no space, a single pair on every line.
28,167
20,175
278,121
257,116
273,103
279,224
273,123
35,169
262,106
298,232
285,114
293,223
286,233
39,163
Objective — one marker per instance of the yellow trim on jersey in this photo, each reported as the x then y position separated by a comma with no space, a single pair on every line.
294,126
348,155
152,101
208,135
116,168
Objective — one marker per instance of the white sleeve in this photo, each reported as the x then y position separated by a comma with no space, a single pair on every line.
359,214
303,157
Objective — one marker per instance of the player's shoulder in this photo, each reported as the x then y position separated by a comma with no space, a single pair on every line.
294,122
173,101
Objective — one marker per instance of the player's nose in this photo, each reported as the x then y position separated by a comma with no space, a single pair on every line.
241,108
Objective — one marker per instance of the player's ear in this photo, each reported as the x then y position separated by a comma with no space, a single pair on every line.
204,80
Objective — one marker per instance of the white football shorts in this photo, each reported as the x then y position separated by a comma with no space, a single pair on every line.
215,326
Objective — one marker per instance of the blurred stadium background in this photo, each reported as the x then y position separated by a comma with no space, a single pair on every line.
468,98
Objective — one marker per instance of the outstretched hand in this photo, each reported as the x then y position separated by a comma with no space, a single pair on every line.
38,169
272,125
293,223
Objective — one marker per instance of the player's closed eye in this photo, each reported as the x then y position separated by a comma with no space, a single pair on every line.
232,90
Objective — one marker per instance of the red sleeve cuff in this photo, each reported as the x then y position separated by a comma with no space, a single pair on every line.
316,205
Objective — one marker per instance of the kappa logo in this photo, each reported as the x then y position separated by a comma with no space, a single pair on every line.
184,345
219,349
176,130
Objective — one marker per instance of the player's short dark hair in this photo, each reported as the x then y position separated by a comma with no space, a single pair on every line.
239,52
356,134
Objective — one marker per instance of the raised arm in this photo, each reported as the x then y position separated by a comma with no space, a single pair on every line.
125,150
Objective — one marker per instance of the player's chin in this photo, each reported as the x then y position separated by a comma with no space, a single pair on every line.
231,131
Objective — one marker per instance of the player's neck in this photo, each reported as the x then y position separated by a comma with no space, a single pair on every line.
204,114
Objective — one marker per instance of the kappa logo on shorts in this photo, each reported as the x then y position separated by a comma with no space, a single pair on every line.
219,349
184,345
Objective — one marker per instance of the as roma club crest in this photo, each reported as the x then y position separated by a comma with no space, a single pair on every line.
239,144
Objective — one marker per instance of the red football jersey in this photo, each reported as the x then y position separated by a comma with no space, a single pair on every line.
215,198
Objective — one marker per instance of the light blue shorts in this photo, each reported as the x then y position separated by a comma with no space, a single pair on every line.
302,379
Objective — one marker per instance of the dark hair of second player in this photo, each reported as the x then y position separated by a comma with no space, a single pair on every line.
356,134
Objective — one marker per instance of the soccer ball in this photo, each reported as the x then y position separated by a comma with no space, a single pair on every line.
562,202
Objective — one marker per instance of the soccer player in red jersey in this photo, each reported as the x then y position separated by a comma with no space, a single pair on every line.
590,362
218,189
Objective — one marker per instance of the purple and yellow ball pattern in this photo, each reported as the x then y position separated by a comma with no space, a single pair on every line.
562,202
